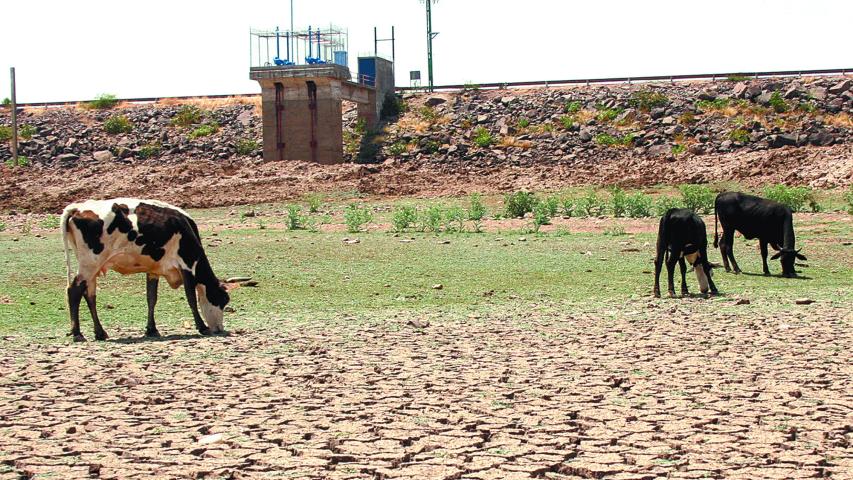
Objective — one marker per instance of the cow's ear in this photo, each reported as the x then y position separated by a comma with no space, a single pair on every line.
801,256
230,286
774,257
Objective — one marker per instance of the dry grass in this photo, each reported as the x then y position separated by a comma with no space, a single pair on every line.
842,119
510,141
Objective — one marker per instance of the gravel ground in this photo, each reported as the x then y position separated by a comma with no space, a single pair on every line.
664,389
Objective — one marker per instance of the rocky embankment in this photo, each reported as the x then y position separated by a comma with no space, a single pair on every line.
797,131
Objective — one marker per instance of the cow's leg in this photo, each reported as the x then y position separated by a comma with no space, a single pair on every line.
683,266
729,242
763,245
189,288
670,273
724,250
90,297
151,290
75,294
658,265
713,287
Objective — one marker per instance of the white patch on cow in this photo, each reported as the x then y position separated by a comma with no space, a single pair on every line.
211,313
701,277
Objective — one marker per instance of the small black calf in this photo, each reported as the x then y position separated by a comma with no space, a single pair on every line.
681,236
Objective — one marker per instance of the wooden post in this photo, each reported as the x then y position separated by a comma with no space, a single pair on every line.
14,121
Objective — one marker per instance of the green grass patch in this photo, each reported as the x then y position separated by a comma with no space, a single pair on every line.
117,124
104,101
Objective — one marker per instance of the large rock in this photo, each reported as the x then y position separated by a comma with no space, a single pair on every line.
103,156
435,101
783,140
840,87
764,98
740,90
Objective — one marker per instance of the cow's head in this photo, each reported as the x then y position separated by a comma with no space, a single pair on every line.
787,257
701,267
212,301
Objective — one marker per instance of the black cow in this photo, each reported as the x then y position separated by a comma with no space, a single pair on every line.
770,222
682,235
139,236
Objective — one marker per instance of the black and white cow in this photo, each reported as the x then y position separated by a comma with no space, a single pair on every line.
681,235
139,236
770,222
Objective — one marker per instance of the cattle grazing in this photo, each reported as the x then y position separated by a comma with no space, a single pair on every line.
139,236
681,235
754,217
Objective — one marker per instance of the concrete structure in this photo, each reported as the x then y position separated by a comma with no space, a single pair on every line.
302,107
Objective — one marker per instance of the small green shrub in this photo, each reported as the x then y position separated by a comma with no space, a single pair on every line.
427,113
150,150
2,226
315,202
522,123
476,209
454,219
5,133
518,204
664,203
806,107
638,205
567,122
482,137
50,222
187,115
27,131
848,197
117,124
22,162
572,107
569,207
777,103
398,148
739,135
7,102
678,149
104,101
551,205
618,201
796,198
430,146
606,114
737,78
295,219
590,205
356,217
698,198
431,218
607,140
205,130
392,106
646,100
247,146
712,105
540,216
404,217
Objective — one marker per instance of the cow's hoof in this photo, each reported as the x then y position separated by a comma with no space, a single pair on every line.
101,336
657,294
204,331
672,294
79,338
153,333
766,273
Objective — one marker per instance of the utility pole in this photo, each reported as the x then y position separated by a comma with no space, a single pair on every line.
430,36
14,120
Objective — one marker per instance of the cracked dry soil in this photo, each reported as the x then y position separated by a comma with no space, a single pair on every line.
674,390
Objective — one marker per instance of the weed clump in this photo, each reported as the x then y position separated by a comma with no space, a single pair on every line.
247,146
205,130
795,198
187,116
104,101
848,197
404,217
117,124
483,138
698,198
646,100
518,204
356,217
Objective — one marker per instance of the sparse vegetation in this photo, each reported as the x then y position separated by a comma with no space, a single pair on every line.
615,230
454,219
104,101
27,131
567,122
476,208
518,204
777,103
427,113
740,135
737,78
247,146
618,201
664,203
712,105
404,217
638,205
398,148
205,130
117,124
431,218
590,205
522,123
678,149
572,107
22,162
796,198
698,198
150,150
541,216
482,137
187,116
5,133
606,114
356,217
50,222
295,219
645,100
848,197
2,226
315,202
393,106
607,140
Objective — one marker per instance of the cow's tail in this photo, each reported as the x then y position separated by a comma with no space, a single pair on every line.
66,239
716,233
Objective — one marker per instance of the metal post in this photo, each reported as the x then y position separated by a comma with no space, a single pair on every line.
430,36
375,43
393,56
14,120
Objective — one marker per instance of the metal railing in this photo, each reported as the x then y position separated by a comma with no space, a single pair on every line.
499,85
